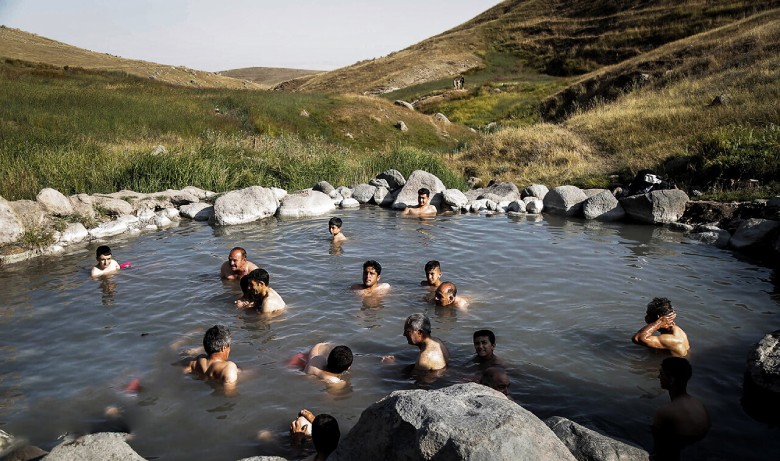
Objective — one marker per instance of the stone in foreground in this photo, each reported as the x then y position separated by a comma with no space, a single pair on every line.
460,422
95,447
565,200
603,206
656,207
588,445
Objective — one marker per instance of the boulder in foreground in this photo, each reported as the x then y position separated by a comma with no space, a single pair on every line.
589,445
656,207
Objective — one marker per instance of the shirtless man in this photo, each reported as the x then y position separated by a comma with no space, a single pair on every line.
446,295
260,295
105,262
433,354
432,274
484,345
214,364
684,420
660,317
424,207
237,265
324,432
496,378
334,227
372,272
328,362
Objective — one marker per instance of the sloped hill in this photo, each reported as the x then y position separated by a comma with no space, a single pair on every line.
24,46
268,77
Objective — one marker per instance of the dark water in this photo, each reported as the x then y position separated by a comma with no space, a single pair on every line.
563,296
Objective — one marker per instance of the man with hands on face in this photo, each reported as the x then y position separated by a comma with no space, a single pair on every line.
660,317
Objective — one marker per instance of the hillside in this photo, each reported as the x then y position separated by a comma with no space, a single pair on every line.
268,77
24,46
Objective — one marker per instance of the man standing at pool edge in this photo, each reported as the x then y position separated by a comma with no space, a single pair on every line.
237,265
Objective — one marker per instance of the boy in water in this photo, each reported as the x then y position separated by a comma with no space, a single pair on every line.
432,274
214,364
334,227
105,262
259,294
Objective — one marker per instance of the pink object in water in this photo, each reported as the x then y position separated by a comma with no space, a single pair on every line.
125,265
133,387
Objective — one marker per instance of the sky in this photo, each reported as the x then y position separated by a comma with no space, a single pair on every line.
217,35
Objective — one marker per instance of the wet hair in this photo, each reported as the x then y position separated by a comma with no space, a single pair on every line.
243,251
339,359
216,339
659,307
102,250
424,191
678,368
374,264
488,333
325,433
335,222
419,322
447,288
432,264
491,376
258,275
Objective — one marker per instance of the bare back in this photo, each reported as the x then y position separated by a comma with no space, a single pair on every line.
272,302
433,355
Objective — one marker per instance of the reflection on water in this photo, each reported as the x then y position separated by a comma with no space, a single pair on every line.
563,296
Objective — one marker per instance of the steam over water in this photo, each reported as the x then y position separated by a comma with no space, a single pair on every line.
563,296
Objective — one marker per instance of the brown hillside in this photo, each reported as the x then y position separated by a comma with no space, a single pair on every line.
24,46
268,77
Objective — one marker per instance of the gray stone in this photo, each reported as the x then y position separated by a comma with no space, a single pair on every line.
344,191
405,104
501,191
30,213
417,180
441,118
503,206
763,363
349,203
680,227
305,203
112,206
11,227
73,233
244,206
383,197
279,193
588,445
83,205
565,200
449,424
179,198
719,238
325,187
393,177
198,192
161,221
535,190
108,229
533,205
363,193
591,192
454,198
170,213
401,126
753,233
54,202
376,182
145,214
603,206
656,207
517,206
200,211
95,447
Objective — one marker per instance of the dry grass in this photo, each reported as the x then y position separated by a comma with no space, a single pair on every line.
268,77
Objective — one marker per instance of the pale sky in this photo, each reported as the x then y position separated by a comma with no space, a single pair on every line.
218,35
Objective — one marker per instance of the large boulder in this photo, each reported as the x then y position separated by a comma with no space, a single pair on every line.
461,422
754,233
95,447
656,207
11,227
454,198
501,191
83,205
363,193
54,202
565,200
73,233
200,211
535,190
30,213
325,187
604,207
244,206
533,205
763,364
383,197
305,203
112,206
198,192
588,445
416,181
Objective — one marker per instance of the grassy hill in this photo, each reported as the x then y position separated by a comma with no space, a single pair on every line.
268,77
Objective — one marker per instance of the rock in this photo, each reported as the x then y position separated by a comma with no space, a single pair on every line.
405,104
82,205
383,197
656,207
279,193
161,221
160,149
588,445
763,363
30,214
95,447
73,233
454,198
535,190
54,202
604,207
376,182
344,191
772,209
720,100
503,206
198,192
337,199
200,211
753,233
112,206
305,203
401,126
170,213
719,238
493,197
441,118
349,203
479,205
502,191
591,192
417,180
707,211
182,198
145,214
325,187
244,206
11,227
680,227
394,178
565,200
449,424
533,205
25,453
363,193
108,229
517,206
